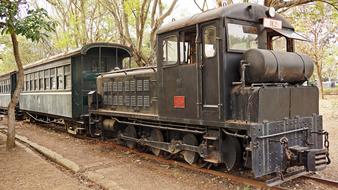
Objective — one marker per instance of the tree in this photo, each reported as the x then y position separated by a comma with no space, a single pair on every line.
81,22
318,23
280,5
29,52
18,19
138,16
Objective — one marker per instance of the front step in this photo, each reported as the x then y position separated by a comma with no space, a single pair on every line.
212,138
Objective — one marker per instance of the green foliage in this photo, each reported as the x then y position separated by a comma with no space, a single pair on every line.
319,23
33,24
29,51
28,26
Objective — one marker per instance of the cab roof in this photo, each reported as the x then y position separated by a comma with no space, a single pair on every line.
241,11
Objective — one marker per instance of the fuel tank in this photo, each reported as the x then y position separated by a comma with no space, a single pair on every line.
267,66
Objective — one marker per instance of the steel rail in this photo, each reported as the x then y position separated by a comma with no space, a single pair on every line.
331,183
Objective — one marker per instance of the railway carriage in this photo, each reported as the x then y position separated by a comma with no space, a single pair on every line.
57,88
228,89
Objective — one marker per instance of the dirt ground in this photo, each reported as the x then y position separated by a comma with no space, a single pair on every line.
103,162
329,109
127,170
20,169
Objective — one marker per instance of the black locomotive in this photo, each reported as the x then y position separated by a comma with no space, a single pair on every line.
228,89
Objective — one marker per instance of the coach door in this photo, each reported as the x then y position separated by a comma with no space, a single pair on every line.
210,65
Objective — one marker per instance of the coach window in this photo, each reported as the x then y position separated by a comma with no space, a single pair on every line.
209,41
8,86
59,78
24,83
170,50
53,79
47,80
27,83
4,87
68,81
41,80
188,47
31,80
36,81
5,84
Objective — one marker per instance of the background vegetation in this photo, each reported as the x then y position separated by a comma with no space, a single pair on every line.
135,22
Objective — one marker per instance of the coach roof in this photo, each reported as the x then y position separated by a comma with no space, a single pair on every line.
242,11
81,51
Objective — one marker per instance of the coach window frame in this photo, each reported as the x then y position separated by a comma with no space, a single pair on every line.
41,80
36,81
60,78
53,81
31,80
47,78
67,75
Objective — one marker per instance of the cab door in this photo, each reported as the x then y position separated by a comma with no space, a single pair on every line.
210,67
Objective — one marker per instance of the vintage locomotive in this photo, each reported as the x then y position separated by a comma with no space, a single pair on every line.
228,89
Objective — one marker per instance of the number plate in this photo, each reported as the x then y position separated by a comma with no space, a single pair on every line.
271,23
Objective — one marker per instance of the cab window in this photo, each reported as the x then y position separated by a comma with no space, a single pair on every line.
242,37
188,47
209,41
279,43
170,50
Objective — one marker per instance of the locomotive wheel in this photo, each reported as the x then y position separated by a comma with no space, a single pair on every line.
189,156
130,131
156,135
231,152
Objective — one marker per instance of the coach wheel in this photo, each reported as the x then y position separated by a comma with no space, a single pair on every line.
231,151
190,156
156,135
130,131
93,131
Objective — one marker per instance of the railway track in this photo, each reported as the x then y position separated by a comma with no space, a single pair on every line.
231,177
328,182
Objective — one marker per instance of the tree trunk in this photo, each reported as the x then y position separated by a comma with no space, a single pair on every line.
320,79
15,98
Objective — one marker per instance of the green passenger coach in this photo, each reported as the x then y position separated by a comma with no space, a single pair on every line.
58,87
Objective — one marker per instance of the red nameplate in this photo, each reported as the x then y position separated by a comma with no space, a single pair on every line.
179,102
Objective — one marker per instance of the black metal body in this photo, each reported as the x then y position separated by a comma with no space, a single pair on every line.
267,125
